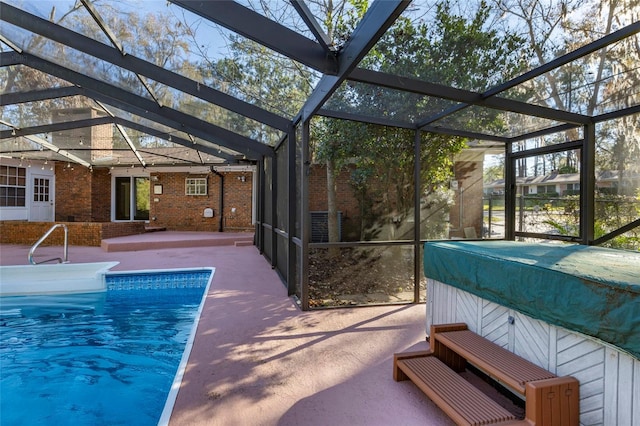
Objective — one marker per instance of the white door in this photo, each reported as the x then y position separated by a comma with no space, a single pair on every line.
42,202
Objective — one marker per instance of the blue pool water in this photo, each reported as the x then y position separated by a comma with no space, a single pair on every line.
97,359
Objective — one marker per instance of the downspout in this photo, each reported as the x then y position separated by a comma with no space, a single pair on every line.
213,170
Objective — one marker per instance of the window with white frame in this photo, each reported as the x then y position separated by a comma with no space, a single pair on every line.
196,186
13,186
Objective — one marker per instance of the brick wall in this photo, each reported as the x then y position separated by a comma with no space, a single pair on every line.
121,229
73,193
179,212
347,202
82,195
80,234
346,198
101,195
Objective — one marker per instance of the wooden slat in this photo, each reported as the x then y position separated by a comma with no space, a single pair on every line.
459,399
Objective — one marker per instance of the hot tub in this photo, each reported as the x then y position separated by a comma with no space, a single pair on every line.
573,310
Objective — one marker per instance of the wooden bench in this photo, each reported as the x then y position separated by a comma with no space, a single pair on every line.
549,400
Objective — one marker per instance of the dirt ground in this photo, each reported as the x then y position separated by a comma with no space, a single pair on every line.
357,276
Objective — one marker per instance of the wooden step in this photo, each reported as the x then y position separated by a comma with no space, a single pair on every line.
500,364
459,399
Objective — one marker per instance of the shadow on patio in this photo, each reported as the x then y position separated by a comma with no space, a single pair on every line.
258,360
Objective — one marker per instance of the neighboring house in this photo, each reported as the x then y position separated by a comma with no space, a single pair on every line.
562,184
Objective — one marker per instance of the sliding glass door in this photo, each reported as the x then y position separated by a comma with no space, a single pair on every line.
131,199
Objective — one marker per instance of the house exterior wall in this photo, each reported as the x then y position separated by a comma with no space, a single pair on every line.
179,212
73,193
24,213
85,196
467,212
238,196
101,195
175,210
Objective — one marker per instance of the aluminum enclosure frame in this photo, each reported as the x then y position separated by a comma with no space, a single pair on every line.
337,66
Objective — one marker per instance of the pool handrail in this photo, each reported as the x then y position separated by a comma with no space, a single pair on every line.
65,258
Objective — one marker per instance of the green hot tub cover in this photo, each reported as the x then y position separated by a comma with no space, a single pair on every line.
591,290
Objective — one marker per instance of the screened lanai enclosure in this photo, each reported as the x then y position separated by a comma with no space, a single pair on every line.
369,127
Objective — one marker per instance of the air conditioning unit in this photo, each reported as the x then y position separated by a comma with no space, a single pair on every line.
320,226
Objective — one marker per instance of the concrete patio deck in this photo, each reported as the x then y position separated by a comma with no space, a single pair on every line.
258,360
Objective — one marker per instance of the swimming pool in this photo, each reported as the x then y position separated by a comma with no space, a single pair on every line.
108,358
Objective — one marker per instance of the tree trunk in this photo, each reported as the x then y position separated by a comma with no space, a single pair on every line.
332,221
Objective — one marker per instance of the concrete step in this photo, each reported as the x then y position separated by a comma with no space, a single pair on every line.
170,239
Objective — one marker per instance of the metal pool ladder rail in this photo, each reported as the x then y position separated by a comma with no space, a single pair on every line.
65,258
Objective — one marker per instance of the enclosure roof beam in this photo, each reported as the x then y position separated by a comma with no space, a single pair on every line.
144,107
378,18
464,134
585,50
341,115
468,97
264,31
136,65
617,114
543,132
54,127
38,95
